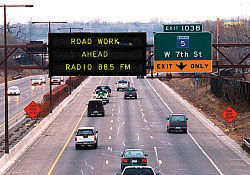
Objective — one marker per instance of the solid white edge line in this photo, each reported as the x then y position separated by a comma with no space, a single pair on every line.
219,171
209,125
205,154
160,97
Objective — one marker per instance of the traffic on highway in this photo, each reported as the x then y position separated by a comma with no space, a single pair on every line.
155,133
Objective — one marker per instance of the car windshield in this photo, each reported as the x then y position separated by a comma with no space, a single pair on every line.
85,132
138,171
36,78
13,88
130,89
133,153
122,81
178,118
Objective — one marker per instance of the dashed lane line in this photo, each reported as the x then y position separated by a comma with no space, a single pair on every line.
211,161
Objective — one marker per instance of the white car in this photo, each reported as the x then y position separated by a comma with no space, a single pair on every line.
13,90
86,136
43,79
135,170
56,80
122,84
36,80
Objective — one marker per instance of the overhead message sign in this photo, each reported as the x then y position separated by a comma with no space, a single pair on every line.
182,28
97,54
183,52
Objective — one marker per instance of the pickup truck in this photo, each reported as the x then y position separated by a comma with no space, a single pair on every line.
86,136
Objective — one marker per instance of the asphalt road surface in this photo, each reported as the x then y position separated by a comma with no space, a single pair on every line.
18,103
135,123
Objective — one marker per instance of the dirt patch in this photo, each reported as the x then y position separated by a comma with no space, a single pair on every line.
213,107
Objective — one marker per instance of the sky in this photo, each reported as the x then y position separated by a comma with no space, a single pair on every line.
125,10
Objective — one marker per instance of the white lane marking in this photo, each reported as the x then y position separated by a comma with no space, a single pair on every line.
160,97
109,137
119,127
112,109
160,162
212,162
132,80
205,154
112,115
142,114
82,172
86,163
107,162
151,137
141,109
123,143
114,105
108,148
236,148
112,121
156,155
138,137
111,128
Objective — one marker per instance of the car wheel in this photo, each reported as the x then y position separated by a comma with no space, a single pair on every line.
185,131
122,167
103,114
95,146
77,146
135,97
89,115
168,130
117,89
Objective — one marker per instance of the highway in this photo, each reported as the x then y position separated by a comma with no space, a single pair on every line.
18,103
130,123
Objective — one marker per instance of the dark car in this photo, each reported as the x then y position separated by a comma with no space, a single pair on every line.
95,107
130,93
133,157
107,88
177,122
138,170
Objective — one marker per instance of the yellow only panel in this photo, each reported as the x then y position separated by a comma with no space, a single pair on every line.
183,66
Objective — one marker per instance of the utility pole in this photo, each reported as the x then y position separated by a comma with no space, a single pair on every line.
217,41
50,85
6,111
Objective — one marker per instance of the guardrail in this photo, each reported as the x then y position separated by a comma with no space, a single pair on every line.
246,142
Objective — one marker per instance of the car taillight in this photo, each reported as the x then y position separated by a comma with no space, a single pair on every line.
124,160
102,107
169,123
75,138
144,160
186,123
94,137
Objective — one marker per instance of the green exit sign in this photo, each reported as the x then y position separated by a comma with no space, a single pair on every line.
182,46
182,27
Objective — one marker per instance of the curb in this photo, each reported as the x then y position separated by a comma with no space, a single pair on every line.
7,160
214,129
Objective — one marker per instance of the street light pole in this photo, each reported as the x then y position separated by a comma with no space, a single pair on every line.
70,29
6,111
50,85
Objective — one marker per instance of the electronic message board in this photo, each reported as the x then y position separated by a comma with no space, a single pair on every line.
97,54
